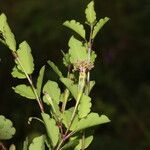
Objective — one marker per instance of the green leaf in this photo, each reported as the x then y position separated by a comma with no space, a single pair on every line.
51,128
2,22
16,73
76,26
71,86
84,107
88,89
93,57
87,142
12,147
52,89
55,68
92,83
77,51
70,145
25,91
98,26
90,13
6,128
25,57
51,103
8,36
66,59
91,120
85,102
38,143
66,116
25,144
40,80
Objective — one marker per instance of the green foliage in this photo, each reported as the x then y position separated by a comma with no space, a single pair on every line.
12,147
67,127
99,25
87,141
38,143
40,81
6,128
76,26
25,144
77,50
66,59
66,116
25,57
84,106
55,68
71,144
52,89
92,119
71,86
52,129
8,36
25,91
90,13
16,73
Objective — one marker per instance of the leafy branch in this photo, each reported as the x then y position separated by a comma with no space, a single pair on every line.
66,127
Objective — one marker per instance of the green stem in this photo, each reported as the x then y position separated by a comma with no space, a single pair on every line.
74,111
65,99
30,81
83,141
50,101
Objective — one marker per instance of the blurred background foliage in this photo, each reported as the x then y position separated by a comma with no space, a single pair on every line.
122,70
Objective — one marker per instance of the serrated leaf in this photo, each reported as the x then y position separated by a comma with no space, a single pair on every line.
77,51
53,91
51,128
38,143
98,26
76,26
66,117
93,119
71,86
16,73
55,68
25,91
25,57
25,144
90,13
9,38
6,128
40,81
84,107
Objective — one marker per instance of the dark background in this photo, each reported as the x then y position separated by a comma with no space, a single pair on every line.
122,70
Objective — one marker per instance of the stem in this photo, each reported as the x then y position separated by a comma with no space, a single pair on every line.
83,141
88,78
66,95
74,111
63,140
30,81
50,101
